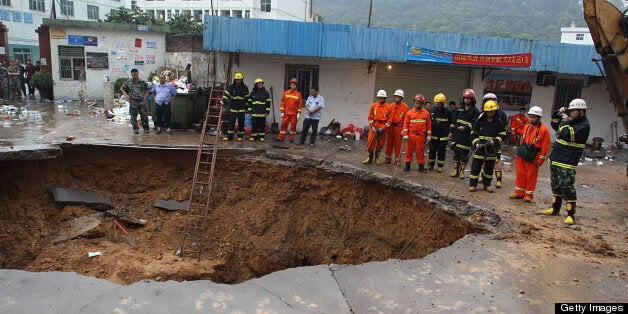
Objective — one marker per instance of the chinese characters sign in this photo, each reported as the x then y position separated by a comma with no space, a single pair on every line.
512,91
429,55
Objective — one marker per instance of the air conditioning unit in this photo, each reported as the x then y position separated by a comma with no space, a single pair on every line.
545,79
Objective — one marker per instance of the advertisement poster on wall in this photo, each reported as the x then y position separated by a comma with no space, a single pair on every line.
512,91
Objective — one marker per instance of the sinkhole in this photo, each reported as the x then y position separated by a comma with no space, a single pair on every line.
266,216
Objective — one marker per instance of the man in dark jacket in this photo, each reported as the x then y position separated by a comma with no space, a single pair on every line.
487,135
460,131
441,120
572,131
258,107
236,95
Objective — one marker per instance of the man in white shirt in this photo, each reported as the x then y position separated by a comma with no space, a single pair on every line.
314,111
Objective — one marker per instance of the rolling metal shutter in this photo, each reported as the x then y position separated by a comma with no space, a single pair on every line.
427,79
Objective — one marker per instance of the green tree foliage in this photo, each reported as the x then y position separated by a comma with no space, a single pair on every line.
131,16
184,24
524,19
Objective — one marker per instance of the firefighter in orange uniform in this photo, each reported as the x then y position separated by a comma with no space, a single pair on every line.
517,125
378,122
537,134
398,110
290,107
417,130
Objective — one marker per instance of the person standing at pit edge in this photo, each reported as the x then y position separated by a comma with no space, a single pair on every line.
258,108
537,134
417,130
378,121
236,96
398,110
163,94
136,91
498,165
460,131
487,135
314,106
441,119
291,103
572,131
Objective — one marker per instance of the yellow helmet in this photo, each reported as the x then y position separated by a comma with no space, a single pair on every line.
259,80
491,105
440,98
238,76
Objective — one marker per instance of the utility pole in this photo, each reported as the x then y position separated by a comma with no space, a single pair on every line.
370,11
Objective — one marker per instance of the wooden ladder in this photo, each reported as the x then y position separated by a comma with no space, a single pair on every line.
193,237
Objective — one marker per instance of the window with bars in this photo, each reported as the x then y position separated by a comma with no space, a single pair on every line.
22,54
265,5
247,13
198,15
5,2
72,63
566,90
92,12
67,7
579,36
37,5
236,13
307,75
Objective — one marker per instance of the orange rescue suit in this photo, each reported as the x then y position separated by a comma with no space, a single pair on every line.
291,103
527,172
417,126
395,136
378,119
517,124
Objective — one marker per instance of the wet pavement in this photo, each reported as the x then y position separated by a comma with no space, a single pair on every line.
488,272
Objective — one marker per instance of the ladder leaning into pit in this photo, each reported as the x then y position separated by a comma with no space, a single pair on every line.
193,238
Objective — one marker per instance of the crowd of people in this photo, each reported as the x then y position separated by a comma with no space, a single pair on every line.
478,134
15,79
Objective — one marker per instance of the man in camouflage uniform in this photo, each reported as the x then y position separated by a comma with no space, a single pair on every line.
136,91
14,80
4,83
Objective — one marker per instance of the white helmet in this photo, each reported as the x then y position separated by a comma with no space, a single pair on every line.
489,96
577,104
381,93
536,110
399,93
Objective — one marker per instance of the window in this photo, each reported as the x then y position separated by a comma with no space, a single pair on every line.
22,54
37,5
237,13
225,13
579,36
133,4
150,13
186,12
5,2
92,12
72,63
168,14
160,15
566,90
247,13
307,75
67,7
198,15
266,8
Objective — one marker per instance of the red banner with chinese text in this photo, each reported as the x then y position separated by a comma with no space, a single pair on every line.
509,60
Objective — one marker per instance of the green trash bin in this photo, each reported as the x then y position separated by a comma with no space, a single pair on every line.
182,111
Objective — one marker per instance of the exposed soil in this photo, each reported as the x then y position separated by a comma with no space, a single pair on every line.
265,217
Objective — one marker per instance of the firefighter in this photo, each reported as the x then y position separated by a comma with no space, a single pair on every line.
236,96
504,117
398,110
441,119
460,131
537,134
417,130
378,122
517,124
291,103
486,137
572,131
258,108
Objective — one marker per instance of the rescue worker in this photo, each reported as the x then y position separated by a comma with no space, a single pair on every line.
504,117
517,124
291,103
486,137
378,122
572,131
258,106
417,130
460,131
236,96
537,134
441,119
398,110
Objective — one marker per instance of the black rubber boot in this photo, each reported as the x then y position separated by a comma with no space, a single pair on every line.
422,168
407,167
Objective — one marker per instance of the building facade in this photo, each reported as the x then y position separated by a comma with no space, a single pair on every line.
293,10
575,35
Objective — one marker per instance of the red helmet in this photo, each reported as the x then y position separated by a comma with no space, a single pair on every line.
468,93
419,97
294,80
